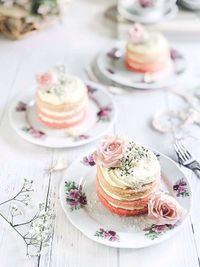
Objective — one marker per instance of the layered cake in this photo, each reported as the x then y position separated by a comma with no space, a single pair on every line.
147,51
61,99
128,175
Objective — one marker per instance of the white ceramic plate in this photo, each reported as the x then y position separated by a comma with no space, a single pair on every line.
98,224
112,69
100,117
130,13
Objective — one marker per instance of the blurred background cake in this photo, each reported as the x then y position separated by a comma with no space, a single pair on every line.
128,174
147,51
61,99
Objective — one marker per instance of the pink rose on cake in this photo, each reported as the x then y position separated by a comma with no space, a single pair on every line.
164,209
46,79
110,152
137,33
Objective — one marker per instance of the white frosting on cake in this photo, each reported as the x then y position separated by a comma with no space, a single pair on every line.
156,43
72,91
142,172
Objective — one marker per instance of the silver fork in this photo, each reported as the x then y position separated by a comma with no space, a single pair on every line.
186,159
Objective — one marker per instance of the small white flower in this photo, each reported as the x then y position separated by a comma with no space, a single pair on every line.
44,9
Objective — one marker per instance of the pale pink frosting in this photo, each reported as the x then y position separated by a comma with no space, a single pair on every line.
110,152
137,33
164,209
46,79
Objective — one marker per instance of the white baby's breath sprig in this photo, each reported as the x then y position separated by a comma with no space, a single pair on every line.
23,195
40,225
41,228
15,211
134,153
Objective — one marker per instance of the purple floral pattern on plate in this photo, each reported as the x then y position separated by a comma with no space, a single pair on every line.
75,197
180,187
89,160
154,231
81,137
174,54
34,133
91,89
110,71
104,114
178,60
21,106
115,53
107,234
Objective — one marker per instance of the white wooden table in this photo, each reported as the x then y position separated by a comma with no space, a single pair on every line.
75,42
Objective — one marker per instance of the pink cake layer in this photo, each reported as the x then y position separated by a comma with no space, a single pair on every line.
58,125
141,202
59,116
120,211
146,62
145,67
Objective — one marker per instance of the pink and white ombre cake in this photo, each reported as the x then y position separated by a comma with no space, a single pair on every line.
61,99
147,51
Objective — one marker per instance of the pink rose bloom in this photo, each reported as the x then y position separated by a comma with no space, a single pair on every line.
137,33
110,152
46,79
164,209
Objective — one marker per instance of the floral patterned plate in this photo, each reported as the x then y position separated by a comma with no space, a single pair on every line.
109,66
100,117
82,207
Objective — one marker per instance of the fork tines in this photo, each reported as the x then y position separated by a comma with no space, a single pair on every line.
181,151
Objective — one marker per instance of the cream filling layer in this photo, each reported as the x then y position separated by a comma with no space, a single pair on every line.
70,120
63,113
122,198
126,208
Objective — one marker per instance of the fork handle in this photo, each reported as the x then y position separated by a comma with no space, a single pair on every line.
194,165
197,172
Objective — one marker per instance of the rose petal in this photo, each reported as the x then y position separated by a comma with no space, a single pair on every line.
164,209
